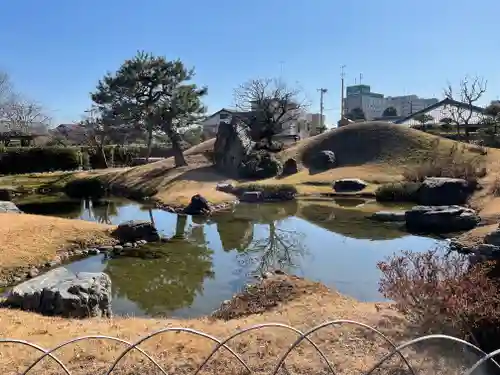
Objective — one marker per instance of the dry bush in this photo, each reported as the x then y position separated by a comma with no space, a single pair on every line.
442,293
457,162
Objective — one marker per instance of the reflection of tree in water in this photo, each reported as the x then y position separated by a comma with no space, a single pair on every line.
279,249
100,211
234,234
159,286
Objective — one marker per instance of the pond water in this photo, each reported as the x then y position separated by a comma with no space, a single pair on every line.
211,259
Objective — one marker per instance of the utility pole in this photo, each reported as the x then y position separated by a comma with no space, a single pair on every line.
322,92
342,76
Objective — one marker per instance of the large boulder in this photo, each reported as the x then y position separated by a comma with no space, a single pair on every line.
323,160
290,167
135,230
232,146
443,191
441,219
9,207
198,206
260,164
63,293
347,185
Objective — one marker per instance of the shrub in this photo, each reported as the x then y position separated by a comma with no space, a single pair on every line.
456,163
259,165
443,293
83,188
37,159
398,192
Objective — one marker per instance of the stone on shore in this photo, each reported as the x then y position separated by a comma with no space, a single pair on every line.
349,185
62,293
135,230
198,206
441,219
9,207
443,191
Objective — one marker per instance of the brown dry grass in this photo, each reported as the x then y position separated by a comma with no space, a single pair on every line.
350,350
31,239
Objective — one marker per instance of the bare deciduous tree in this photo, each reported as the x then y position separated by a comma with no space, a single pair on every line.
23,115
470,91
274,106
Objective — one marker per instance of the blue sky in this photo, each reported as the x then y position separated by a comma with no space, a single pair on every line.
55,51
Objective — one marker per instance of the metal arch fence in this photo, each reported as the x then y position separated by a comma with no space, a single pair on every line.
301,336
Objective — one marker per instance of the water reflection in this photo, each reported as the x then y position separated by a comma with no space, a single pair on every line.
208,259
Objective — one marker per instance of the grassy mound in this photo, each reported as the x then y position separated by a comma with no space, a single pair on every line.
369,142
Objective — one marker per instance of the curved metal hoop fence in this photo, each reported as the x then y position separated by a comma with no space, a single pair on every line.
222,344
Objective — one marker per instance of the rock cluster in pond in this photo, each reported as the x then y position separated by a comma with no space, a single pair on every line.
348,185
441,219
432,219
134,230
60,292
9,207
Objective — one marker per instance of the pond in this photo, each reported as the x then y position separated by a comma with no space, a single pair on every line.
210,259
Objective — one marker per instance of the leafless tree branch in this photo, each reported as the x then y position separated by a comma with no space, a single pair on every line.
273,104
22,114
470,91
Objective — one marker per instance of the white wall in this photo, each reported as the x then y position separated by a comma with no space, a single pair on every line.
450,112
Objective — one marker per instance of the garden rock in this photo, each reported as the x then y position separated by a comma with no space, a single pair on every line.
198,206
324,160
6,194
62,293
490,251
443,191
9,207
389,216
132,231
441,219
493,238
290,167
232,146
225,188
252,196
349,185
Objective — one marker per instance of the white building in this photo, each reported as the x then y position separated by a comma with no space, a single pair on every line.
441,112
374,104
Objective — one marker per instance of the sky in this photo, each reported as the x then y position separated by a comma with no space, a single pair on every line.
55,51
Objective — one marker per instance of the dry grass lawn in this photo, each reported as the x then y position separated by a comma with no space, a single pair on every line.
349,350
31,239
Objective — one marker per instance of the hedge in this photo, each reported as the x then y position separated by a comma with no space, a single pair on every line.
39,159
18,160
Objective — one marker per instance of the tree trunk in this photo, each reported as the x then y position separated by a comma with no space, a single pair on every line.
150,141
175,138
